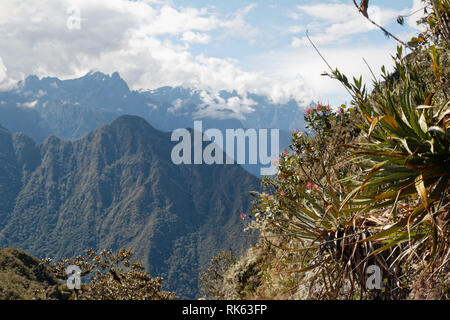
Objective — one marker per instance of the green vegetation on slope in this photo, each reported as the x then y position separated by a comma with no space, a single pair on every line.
105,276
21,275
368,189
117,187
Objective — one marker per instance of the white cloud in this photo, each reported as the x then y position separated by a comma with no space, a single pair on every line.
216,106
293,15
34,37
172,21
294,29
176,105
237,24
2,71
196,37
148,43
30,104
416,13
40,93
136,38
334,27
334,23
5,82
305,63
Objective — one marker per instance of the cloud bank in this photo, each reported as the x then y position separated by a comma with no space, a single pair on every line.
148,42
153,43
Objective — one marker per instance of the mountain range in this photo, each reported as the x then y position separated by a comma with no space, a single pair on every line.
86,163
117,187
71,108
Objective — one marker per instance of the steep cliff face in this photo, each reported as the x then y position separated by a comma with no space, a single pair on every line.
10,176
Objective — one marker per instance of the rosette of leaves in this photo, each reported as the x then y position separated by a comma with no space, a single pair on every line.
381,199
406,158
304,209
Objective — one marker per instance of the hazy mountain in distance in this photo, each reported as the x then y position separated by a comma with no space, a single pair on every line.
117,187
71,108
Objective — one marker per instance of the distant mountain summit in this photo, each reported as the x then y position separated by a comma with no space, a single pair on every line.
117,187
93,83
71,108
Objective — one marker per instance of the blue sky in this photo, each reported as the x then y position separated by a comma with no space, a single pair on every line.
247,46
276,25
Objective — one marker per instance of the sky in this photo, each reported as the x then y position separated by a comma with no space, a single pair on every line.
246,46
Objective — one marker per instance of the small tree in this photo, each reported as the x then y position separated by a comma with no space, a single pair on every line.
108,276
211,280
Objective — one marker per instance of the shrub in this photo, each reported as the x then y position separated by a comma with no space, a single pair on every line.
107,276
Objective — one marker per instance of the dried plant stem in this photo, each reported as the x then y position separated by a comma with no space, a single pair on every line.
383,29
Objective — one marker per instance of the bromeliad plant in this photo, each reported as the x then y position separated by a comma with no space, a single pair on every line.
306,206
383,198
406,158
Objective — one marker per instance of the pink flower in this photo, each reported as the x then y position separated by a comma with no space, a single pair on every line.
285,152
282,193
309,185
242,216
339,112
309,111
276,161
268,197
